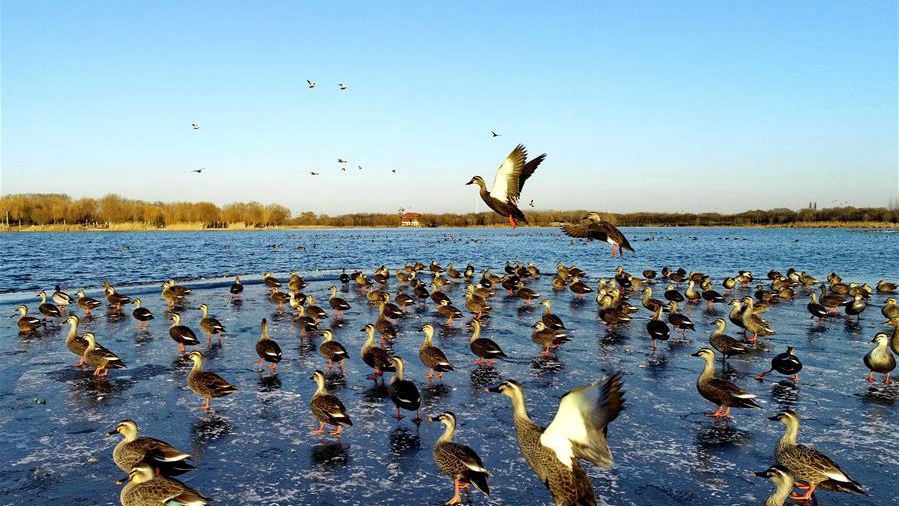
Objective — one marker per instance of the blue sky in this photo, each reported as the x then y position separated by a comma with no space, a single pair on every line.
694,106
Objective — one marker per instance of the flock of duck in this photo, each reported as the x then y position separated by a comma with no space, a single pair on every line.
578,431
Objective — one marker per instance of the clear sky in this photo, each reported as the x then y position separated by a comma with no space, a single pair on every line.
669,106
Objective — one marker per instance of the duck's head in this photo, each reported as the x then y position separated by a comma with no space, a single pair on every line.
428,329
881,338
510,388
20,311
786,417
89,337
141,473
775,474
203,307
196,356
318,377
705,353
719,322
73,320
478,180
126,427
176,318
447,418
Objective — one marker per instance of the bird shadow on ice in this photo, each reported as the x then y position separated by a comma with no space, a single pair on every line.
329,454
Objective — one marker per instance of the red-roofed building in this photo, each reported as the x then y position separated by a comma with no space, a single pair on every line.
410,220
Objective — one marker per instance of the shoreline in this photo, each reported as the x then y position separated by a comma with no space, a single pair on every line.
188,227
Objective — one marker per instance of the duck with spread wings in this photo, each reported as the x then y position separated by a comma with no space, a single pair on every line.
510,179
593,227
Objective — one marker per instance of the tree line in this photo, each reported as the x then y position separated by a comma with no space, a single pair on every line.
59,209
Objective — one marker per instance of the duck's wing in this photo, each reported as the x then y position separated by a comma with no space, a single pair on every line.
585,231
579,429
528,170
507,185
811,458
466,456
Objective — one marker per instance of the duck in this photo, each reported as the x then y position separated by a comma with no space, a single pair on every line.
169,296
75,343
510,179
722,342
307,324
458,461
337,304
87,304
449,311
650,303
363,282
452,273
375,357
133,449
403,392
146,488
344,278
593,227
61,298
815,309
832,301
786,363
548,337
783,484
270,280
210,325
236,288
114,298
332,350
729,283
102,360
280,298
579,287
884,286
894,341
649,274
26,324
721,392
679,320
753,322
385,328
808,465
690,293
578,431
880,360
736,314
890,309
476,305
711,297
855,308
484,348
671,294
267,349
317,312
182,334
610,313
142,315
658,330
433,357
206,384
391,310
180,291
559,283
550,320
437,296
327,408
47,309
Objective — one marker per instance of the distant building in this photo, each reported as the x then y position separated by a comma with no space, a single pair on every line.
411,220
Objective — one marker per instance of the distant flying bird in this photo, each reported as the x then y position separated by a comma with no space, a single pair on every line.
196,126
312,172
343,169
341,160
198,171
343,87
360,167
394,171
494,133
510,179
311,84
531,203
597,229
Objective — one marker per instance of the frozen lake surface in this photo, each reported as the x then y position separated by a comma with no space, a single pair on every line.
255,446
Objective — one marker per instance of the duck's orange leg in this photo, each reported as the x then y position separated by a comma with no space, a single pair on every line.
336,432
321,429
806,496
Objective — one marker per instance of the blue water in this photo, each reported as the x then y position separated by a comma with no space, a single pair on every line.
255,446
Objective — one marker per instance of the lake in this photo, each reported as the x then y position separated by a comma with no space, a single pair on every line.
255,446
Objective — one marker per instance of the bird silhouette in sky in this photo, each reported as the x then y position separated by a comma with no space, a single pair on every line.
360,167
196,126
312,172
343,87
199,171
343,169
341,160
494,133
311,84
531,203
394,171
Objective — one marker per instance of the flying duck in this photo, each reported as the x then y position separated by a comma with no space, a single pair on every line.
578,431
510,179
593,227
